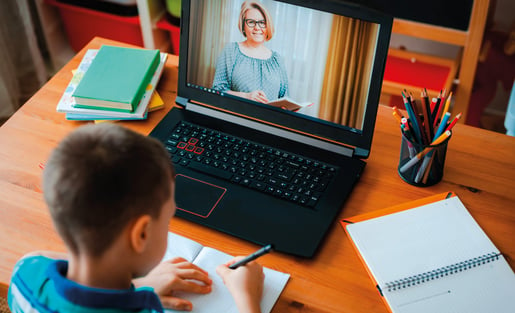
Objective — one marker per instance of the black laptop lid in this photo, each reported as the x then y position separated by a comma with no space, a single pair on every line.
333,53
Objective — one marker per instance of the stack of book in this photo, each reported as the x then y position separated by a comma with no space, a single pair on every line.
114,83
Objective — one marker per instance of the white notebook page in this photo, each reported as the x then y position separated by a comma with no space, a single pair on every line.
426,238
219,299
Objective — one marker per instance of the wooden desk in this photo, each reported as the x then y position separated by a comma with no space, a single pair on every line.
480,168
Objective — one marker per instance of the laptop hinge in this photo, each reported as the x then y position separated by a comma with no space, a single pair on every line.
181,101
318,143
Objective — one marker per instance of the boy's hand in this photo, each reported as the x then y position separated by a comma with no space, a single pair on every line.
174,275
244,283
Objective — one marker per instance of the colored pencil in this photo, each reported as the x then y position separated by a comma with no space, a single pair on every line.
454,121
438,108
426,111
412,118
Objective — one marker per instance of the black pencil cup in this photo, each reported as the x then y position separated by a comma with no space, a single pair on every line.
428,170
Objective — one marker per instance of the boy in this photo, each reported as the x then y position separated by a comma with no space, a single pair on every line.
110,192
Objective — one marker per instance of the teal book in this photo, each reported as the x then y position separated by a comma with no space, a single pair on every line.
67,102
116,79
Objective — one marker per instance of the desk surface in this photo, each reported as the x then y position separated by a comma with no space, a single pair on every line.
480,168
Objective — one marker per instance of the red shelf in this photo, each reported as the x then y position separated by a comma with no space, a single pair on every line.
83,24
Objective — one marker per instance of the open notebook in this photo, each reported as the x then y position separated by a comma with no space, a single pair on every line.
219,300
434,258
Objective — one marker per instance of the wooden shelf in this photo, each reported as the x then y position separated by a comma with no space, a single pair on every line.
465,66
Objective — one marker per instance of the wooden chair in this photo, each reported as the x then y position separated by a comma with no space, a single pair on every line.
462,69
414,71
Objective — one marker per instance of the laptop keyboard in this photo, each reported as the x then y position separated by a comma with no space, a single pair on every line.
279,173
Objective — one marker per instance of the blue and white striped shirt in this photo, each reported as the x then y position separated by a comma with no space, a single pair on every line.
39,284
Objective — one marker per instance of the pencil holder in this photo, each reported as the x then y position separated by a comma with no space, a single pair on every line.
422,165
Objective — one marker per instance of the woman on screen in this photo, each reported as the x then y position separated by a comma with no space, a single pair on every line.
249,69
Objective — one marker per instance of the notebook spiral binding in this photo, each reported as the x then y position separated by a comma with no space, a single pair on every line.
441,272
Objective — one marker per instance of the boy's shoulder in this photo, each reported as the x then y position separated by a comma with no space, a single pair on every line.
32,264
39,284
29,274
32,271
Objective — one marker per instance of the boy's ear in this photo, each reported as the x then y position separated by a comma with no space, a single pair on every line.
139,233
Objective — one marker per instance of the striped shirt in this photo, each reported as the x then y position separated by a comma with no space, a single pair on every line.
39,284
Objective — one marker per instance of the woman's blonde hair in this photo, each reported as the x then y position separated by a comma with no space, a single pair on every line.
247,5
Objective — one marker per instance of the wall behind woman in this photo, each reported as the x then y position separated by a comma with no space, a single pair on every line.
22,66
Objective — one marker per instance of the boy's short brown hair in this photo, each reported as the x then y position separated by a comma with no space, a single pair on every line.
99,178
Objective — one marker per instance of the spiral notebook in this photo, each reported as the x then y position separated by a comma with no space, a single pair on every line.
434,258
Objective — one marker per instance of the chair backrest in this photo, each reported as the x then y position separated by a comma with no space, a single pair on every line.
470,40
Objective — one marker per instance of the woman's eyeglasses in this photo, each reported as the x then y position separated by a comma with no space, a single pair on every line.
252,23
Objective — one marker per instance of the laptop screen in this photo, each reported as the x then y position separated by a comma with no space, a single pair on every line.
246,57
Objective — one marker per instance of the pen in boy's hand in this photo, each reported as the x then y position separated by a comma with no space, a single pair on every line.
251,257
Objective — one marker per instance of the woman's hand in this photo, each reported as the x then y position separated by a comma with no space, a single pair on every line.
174,275
245,284
258,96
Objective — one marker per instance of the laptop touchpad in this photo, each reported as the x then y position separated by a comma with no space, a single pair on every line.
197,197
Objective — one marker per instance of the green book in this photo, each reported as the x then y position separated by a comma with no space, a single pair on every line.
116,79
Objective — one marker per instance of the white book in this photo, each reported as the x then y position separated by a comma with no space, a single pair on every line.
219,299
289,104
67,102
435,258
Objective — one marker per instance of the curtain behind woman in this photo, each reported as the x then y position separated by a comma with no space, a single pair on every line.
302,39
348,69
209,32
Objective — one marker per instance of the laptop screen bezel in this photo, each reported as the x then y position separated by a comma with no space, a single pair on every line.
361,140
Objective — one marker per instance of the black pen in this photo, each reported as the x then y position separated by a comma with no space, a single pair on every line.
251,257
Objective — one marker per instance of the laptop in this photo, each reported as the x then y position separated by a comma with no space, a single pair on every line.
267,172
